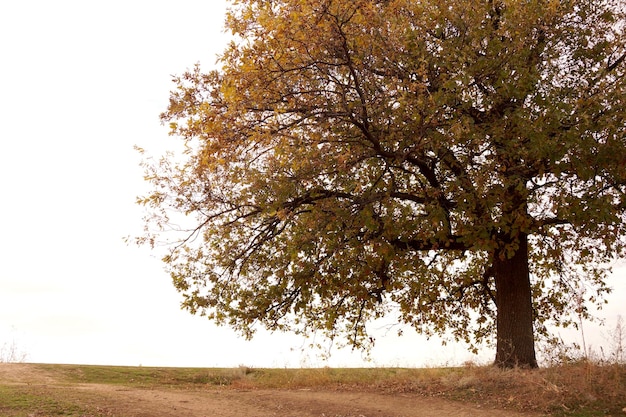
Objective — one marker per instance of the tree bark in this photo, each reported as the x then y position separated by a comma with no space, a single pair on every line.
515,344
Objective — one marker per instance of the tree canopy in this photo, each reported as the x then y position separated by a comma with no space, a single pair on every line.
458,164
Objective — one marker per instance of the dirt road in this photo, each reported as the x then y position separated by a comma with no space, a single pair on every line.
230,403
115,400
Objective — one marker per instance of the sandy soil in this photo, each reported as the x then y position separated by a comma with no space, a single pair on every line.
110,400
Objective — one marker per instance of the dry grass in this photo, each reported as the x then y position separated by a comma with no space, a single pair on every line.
575,383
577,389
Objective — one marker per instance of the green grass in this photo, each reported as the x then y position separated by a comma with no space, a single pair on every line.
253,377
142,376
25,401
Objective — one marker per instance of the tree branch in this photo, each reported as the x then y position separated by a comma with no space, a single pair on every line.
452,243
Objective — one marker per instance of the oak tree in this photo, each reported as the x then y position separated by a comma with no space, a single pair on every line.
458,164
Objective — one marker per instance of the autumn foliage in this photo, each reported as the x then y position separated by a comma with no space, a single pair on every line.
459,165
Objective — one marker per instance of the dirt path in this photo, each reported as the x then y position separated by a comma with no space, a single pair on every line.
265,403
112,400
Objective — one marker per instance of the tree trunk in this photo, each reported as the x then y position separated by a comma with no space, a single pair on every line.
515,344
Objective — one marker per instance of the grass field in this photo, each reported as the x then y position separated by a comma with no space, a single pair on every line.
579,389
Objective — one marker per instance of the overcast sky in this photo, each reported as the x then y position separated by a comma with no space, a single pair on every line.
81,82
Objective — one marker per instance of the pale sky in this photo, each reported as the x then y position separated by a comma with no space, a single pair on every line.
81,82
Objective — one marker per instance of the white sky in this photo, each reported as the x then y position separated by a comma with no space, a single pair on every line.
81,82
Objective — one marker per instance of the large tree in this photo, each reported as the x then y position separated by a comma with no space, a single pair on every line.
460,164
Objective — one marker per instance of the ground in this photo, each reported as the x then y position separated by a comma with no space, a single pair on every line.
261,403
116,400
